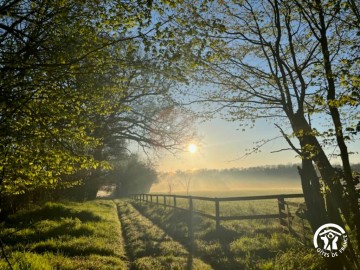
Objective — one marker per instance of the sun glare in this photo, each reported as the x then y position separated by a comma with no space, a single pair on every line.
192,148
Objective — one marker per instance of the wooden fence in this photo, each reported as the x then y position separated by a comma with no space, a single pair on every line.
284,215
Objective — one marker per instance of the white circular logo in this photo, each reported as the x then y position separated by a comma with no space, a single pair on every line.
330,239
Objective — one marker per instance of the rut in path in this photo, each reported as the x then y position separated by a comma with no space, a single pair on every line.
149,247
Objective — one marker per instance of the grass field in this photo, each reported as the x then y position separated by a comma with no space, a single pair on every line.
68,236
120,234
237,208
248,244
89,235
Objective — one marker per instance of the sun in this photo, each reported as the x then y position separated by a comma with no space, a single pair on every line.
192,148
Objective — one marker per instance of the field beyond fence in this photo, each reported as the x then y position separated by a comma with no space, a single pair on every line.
289,209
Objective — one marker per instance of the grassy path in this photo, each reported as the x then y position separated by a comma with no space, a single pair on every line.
151,248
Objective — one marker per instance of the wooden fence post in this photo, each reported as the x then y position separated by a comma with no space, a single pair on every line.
165,201
282,215
289,217
217,215
157,199
302,208
191,225
174,201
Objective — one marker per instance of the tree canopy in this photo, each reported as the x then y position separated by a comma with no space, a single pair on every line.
78,81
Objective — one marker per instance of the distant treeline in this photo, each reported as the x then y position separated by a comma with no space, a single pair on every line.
273,172
260,177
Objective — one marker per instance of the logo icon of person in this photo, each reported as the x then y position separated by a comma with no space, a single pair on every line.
330,239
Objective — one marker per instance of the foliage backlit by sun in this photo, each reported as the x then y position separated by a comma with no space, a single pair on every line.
192,148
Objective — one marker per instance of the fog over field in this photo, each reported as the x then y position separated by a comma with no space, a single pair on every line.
231,182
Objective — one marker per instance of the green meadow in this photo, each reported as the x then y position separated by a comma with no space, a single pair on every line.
124,234
68,236
246,244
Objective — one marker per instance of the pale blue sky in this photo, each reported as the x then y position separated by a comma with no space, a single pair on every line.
222,144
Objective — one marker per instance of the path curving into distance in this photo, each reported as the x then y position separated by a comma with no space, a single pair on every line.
149,247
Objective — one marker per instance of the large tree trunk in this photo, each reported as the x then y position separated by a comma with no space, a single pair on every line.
310,182
330,205
312,150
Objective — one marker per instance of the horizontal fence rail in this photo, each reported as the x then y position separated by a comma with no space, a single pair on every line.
283,214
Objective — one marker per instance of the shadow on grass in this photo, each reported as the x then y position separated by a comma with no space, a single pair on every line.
56,220
75,250
67,227
51,211
224,235
175,223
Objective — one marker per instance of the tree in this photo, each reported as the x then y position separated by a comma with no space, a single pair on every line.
151,122
185,178
169,179
41,80
263,60
56,101
322,22
132,176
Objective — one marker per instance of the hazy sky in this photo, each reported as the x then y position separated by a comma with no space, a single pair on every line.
222,144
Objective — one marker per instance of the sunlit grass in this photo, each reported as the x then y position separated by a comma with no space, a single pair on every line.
149,247
65,236
88,236
247,244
